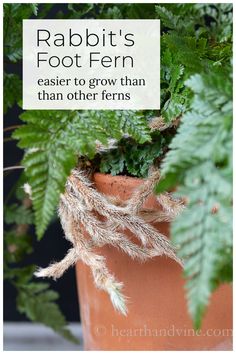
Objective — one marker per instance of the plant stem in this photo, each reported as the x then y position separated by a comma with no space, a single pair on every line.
11,127
12,168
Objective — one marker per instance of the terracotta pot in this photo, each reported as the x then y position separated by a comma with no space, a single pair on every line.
158,317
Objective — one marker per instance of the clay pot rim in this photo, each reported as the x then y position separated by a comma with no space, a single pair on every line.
119,178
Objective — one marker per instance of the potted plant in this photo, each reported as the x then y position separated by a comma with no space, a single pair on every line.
121,180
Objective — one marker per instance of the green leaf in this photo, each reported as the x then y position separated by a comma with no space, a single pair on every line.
132,158
23,275
34,8
47,172
13,16
17,246
37,301
167,183
167,17
207,129
189,51
80,10
18,214
38,306
12,90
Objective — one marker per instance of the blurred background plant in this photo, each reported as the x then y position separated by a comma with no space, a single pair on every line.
195,158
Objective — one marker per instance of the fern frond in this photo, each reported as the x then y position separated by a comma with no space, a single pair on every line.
13,16
53,139
47,172
167,17
200,161
207,129
203,233
12,90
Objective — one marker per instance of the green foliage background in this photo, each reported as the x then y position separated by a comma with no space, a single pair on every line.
196,86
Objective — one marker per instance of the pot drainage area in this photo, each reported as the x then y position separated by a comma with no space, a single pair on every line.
21,336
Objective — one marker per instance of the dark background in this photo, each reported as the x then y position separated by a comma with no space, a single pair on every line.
53,245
